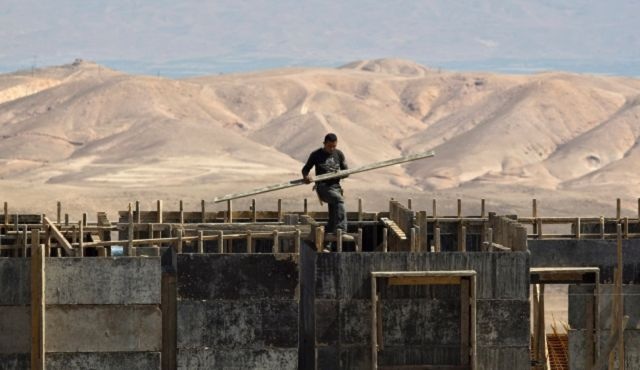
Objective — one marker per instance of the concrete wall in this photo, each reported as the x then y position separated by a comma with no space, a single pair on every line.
15,313
101,312
579,298
421,325
583,253
238,311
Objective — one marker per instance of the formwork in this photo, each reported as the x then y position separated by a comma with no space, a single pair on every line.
252,289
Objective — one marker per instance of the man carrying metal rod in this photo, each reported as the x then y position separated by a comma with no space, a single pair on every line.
326,160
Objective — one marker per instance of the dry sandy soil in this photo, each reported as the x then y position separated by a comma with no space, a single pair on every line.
96,139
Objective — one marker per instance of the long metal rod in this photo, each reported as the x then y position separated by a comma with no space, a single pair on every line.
327,176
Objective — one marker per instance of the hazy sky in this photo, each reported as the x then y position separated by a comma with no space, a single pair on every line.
184,37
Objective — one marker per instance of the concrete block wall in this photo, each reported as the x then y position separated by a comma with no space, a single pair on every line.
103,312
579,297
238,311
100,313
421,325
588,253
15,313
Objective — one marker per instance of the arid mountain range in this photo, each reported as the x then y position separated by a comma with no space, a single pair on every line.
96,139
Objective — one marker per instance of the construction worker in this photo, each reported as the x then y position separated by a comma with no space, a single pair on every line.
326,160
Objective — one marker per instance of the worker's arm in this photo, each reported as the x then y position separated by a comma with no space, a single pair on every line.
307,168
343,163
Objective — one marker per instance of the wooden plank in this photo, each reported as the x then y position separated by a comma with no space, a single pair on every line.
58,236
374,324
389,274
229,217
203,213
434,208
328,176
619,299
394,228
462,239
159,211
425,280
38,286
169,320
385,239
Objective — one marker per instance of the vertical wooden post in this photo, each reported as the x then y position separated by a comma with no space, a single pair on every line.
436,238
538,227
280,214
618,209
435,208
59,213
80,240
297,241
138,215
619,300
305,207
424,233
602,227
490,238
412,240
6,213
220,241
66,219
200,241
24,241
462,239
410,203
276,241
254,213
374,322
84,219
482,208
249,242
159,210
578,228
229,211
359,209
130,230
534,213
626,227
459,208
359,241
38,287
180,241
339,239
181,212
203,213
385,239
319,238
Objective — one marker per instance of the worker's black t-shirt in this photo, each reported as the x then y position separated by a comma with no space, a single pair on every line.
325,163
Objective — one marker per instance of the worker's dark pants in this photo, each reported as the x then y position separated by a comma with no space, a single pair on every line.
332,195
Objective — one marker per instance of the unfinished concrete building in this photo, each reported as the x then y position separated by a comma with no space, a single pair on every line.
235,289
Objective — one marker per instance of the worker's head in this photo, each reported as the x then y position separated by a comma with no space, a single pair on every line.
330,142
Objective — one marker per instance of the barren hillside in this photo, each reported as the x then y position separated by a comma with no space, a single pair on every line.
85,134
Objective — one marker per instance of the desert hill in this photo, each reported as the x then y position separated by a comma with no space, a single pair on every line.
85,134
